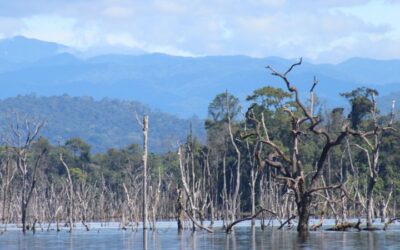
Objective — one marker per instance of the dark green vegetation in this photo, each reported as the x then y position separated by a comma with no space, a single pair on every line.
103,124
283,159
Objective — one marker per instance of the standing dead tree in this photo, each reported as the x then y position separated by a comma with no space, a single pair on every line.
234,205
288,165
24,135
7,174
155,200
70,194
371,142
145,126
85,195
190,194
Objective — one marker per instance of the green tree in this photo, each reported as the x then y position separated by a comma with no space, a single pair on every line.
223,104
361,104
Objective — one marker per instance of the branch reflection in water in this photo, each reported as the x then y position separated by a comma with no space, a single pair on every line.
253,237
242,237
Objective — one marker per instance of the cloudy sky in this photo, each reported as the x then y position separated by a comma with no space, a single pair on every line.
320,30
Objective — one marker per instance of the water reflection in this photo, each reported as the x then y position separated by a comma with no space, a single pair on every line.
241,238
253,237
144,239
302,239
194,240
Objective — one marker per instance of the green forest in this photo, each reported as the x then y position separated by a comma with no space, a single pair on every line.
105,123
286,156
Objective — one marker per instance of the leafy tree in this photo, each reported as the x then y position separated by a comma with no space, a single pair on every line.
223,104
269,98
79,148
361,104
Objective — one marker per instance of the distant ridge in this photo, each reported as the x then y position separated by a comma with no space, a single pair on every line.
22,49
183,86
104,124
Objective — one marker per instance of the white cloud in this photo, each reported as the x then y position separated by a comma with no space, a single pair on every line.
169,7
325,30
9,26
117,12
123,39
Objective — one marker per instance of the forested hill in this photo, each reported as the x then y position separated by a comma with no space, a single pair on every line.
103,124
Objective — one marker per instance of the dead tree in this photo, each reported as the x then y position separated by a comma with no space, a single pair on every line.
235,195
155,200
24,135
191,212
185,182
85,195
70,194
252,217
145,133
289,167
180,211
383,206
145,128
345,226
371,146
7,174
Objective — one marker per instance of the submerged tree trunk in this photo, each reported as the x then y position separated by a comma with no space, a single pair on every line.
370,201
303,208
145,132
234,205
180,212
70,192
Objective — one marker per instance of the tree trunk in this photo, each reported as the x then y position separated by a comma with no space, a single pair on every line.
70,194
253,194
303,209
180,212
145,131
370,201
234,206
23,218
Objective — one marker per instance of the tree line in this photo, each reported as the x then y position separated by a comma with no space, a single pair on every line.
286,157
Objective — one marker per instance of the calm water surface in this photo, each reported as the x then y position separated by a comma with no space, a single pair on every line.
168,238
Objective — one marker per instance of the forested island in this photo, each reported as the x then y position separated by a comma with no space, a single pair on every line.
286,157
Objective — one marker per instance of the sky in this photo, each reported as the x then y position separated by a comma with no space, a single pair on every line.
322,31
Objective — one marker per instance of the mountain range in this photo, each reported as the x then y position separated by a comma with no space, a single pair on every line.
182,86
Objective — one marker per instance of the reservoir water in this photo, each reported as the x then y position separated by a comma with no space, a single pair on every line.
166,237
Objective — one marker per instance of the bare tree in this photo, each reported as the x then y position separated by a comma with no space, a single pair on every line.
290,168
372,141
70,194
235,195
24,135
144,160
191,212
7,174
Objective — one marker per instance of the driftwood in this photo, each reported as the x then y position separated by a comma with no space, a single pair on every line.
346,225
372,229
197,224
318,225
287,221
230,226
390,221
85,224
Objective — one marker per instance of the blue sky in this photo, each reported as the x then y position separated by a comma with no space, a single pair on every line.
320,30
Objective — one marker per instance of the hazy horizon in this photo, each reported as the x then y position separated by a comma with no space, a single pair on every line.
83,55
